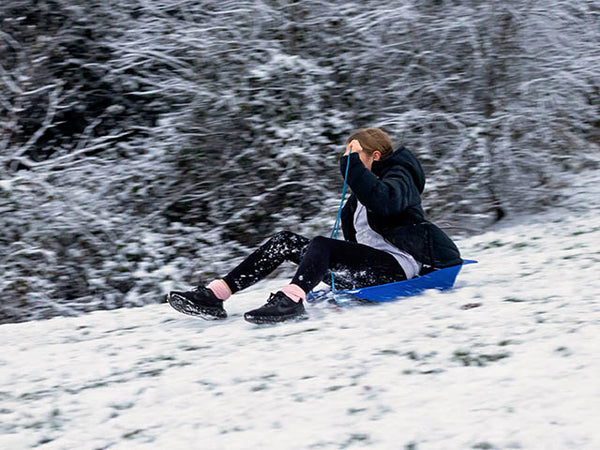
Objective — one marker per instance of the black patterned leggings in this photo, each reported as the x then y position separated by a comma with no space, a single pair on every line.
353,265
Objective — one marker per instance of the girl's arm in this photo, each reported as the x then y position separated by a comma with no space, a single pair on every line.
392,195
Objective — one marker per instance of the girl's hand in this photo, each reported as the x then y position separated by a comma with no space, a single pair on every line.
353,146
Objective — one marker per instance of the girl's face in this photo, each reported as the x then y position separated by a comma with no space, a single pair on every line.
365,158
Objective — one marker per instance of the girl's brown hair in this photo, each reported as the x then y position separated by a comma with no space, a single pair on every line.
371,140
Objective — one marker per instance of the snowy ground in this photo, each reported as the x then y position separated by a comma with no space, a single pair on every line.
521,370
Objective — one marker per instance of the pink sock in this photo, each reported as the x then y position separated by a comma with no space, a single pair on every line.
220,289
294,292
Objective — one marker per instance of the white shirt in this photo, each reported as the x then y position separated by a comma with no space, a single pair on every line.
366,236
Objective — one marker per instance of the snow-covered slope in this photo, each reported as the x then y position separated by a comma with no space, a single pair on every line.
509,359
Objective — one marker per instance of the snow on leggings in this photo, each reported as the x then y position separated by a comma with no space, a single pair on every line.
354,265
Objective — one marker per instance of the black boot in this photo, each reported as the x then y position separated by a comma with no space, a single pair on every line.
278,308
200,302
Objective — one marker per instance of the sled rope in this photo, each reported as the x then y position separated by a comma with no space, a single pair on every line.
338,220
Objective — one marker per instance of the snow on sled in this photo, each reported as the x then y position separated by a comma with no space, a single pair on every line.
440,279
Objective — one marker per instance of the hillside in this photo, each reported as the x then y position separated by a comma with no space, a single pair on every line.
509,359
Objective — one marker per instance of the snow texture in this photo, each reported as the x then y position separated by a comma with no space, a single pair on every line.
509,359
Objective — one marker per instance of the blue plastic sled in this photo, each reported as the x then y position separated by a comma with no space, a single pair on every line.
441,279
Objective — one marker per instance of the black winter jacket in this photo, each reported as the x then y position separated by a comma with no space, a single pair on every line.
391,194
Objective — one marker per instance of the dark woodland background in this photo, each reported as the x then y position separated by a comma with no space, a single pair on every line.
146,145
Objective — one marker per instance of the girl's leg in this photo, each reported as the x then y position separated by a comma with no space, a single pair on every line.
207,301
361,266
354,265
284,246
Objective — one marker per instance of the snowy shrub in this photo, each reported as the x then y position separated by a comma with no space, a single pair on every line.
147,145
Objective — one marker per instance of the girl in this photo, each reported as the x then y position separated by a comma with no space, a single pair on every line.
386,235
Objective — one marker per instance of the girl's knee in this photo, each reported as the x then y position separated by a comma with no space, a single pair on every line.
319,241
318,244
288,241
283,236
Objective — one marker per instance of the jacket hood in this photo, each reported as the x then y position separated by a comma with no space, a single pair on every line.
402,157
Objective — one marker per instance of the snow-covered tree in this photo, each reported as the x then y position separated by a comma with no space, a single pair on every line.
147,143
